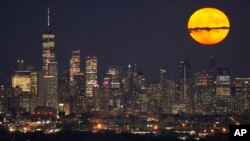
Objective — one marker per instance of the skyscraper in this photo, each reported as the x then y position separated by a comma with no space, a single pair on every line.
204,93
185,83
223,91
114,78
76,81
91,74
97,98
184,80
48,80
242,94
75,64
130,85
25,82
165,101
115,73
106,102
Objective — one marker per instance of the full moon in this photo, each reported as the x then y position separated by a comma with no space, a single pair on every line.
208,26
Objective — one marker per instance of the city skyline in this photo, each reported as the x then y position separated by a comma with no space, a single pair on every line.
121,33
114,67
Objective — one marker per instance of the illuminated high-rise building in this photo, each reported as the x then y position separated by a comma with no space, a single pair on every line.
172,97
25,82
75,67
165,101
185,83
141,80
184,80
114,78
223,91
242,94
48,80
144,100
48,50
76,84
22,80
25,78
106,102
131,84
91,74
204,93
131,89
155,99
97,98
115,73
163,78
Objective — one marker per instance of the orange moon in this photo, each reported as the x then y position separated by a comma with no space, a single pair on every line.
208,26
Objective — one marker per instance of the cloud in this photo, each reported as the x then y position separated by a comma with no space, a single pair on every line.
205,28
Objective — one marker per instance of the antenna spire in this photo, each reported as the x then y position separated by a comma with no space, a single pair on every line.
48,17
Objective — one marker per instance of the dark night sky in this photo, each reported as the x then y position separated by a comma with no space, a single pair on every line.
151,33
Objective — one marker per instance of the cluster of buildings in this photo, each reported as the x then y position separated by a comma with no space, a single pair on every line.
122,91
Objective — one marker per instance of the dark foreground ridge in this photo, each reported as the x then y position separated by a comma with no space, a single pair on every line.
101,136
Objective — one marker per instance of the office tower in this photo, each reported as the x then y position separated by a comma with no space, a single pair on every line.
97,98
155,99
25,82
105,91
91,74
75,66
141,80
76,90
115,73
242,94
131,88
142,94
185,83
165,101
63,87
163,79
33,80
134,87
76,84
172,90
130,83
204,93
22,80
223,91
48,80
114,77
63,94
144,100
184,80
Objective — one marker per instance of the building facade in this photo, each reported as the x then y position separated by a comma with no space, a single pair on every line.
91,75
48,93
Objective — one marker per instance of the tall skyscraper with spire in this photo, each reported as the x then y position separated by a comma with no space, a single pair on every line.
48,79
